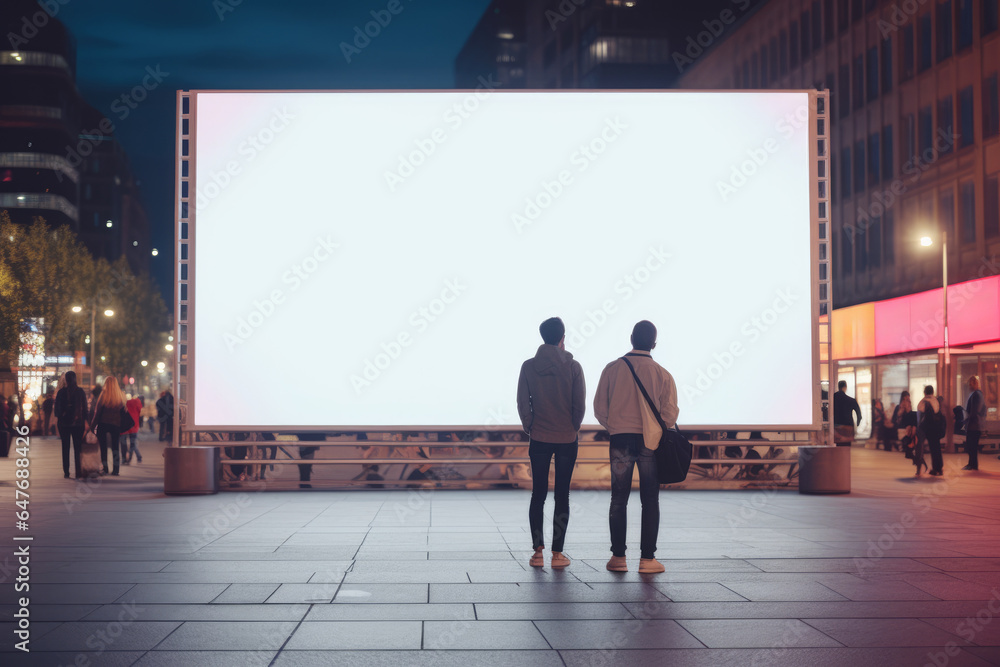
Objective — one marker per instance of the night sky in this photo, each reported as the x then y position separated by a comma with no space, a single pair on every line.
258,45
255,44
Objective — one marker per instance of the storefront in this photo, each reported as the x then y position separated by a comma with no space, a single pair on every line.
886,347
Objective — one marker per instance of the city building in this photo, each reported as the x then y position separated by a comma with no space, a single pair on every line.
59,159
495,51
915,159
614,44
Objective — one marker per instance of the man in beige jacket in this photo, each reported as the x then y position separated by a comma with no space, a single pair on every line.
618,407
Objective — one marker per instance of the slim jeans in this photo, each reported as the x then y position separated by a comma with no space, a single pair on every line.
628,451
65,434
972,448
129,449
937,461
108,436
541,454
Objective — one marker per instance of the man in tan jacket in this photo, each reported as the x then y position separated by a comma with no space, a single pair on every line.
618,407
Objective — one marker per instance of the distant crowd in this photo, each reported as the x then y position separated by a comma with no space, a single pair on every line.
106,417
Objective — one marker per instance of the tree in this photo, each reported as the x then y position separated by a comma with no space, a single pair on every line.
40,274
45,272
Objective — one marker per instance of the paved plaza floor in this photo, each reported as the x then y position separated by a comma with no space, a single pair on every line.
903,571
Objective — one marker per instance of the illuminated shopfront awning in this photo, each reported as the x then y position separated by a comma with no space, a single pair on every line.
915,322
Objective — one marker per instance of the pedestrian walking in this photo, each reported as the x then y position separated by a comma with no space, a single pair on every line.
843,418
929,430
551,402
47,404
128,439
106,419
975,409
619,406
165,415
70,408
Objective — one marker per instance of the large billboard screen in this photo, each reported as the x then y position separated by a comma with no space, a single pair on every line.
383,259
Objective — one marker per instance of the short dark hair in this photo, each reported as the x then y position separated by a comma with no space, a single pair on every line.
71,378
552,330
644,335
842,384
929,390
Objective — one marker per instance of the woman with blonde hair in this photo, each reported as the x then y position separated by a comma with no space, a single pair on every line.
106,420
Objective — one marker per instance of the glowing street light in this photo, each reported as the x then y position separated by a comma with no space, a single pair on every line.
92,338
144,363
926,241
155,252
169,348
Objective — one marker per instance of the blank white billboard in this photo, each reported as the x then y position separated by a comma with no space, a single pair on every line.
384,259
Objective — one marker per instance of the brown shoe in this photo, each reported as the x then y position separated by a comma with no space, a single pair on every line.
650,566
559,561
617,564
537,558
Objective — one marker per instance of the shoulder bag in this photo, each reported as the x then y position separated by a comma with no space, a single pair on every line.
673,453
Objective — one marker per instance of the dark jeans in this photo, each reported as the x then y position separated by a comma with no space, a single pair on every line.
628,451
937,461
972,448
108,436
76,433
541,454
128,447
123,444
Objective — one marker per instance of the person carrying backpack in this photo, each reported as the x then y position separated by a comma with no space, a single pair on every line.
932,426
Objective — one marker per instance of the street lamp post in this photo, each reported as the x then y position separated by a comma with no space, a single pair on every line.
93,334
946,367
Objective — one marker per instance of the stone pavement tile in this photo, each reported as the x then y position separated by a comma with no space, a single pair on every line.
957,589
73,594
896,632
819,609
356,635
205,612
382,593
839,565
137,636
482,635
56,612
684,565
306,553
303,593
63,659
963,564
616,635
772,591
696,592
991,579
529,611
391,612
110,566
375,658
37,630
532,575
756,633
371,554
989,653
245,594
362,578
985,632
172,593
228,636
878,590
498,555
776,657
543,592
207,658
258,566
